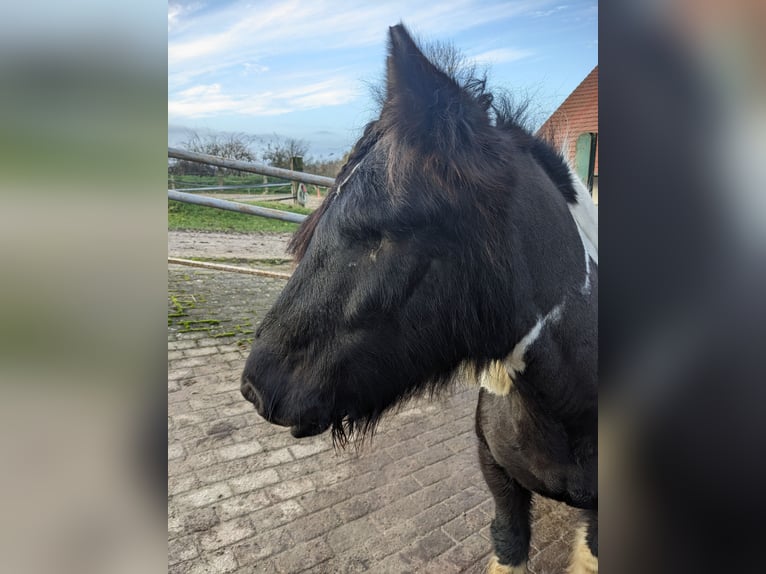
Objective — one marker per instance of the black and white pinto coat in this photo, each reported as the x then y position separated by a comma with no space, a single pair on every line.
455,242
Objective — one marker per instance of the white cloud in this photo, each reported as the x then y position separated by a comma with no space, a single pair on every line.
176,11
206,100
251,68
240,33
228,59
550,12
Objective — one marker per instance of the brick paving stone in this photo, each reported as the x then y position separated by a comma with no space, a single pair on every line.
393,564
303,557
410,505
226,533
290,489
263,545
311,526
254,480
175,450
378,498
200,519
317,445
205,495
462,442
423,551
465,524
239,450
462,556
199,352
322,498
352,534
180,549
176,526
180,345
242,504
262,567
238,408
246,497
183,483
225,470
190,362
313,468
215,561
269,518
278,440
432,473
432,518
354,561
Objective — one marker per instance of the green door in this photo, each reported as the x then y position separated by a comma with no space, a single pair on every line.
585,158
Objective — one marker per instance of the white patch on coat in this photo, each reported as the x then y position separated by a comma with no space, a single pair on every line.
494,567
342,183
498,377
582,560
515,361
585,289
585,216
495,379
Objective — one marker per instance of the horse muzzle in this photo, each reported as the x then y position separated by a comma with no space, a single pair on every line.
301,425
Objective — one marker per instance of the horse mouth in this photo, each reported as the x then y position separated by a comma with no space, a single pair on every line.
310,422
308,429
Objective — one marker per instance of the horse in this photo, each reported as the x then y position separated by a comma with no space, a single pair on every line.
453,243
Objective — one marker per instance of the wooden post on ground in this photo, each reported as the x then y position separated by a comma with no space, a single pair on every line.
296,164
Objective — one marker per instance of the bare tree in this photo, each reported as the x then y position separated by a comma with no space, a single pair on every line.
326,167
279,151
229,146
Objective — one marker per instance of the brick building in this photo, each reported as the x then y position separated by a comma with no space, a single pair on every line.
574,128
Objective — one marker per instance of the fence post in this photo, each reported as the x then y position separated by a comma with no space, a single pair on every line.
296,164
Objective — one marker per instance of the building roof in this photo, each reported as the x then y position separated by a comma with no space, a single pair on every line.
576,115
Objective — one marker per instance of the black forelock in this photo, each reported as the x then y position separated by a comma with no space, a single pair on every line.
300,240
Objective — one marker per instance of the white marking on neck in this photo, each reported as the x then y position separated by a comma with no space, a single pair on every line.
498,377
585,289
585,216
342,183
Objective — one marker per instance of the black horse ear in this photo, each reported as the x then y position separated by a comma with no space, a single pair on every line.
426,105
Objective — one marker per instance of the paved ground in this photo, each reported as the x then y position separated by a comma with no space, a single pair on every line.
244,496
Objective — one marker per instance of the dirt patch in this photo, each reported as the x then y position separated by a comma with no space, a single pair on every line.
215,245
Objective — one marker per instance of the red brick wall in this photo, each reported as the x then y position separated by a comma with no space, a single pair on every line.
578,114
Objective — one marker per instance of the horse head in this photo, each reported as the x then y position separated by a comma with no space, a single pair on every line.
412,266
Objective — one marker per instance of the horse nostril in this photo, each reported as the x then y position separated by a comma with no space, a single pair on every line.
251,394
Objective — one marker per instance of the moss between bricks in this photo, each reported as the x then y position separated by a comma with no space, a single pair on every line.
181,303
188,314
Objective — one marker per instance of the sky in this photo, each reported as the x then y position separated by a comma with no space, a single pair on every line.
302,69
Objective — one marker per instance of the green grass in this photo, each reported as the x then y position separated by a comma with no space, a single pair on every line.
187,216
197,180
